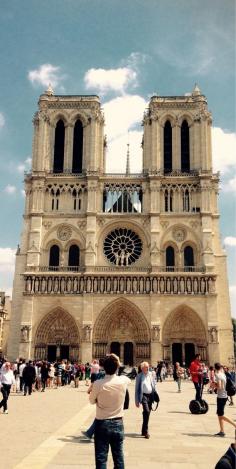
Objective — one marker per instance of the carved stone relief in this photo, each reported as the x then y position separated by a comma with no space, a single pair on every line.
47,224
64,232
81,224
179,234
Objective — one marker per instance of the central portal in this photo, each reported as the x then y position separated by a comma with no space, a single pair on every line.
121,328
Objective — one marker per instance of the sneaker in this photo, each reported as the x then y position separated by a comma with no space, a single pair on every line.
84,433
5,411
222,434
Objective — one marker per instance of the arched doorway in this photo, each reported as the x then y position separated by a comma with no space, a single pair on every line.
57,337
128,353
115,348
122,326
183,335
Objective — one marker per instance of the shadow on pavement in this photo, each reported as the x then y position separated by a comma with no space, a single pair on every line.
133,435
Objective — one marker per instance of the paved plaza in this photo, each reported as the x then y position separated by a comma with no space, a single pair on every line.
44,431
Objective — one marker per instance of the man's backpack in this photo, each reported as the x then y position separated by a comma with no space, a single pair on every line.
230,387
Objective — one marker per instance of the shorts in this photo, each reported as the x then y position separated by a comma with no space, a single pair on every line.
221,401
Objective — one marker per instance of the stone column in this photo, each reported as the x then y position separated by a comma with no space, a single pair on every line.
176,147
68,153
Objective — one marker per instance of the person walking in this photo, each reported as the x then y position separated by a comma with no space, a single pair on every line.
178,375
6,381
144,389
29,375
196,375
109,395
21,368
44,375
230,377
220,379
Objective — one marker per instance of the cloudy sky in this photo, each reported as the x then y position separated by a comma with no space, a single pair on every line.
125,51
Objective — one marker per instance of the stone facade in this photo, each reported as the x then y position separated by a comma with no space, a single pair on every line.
5,316
131,263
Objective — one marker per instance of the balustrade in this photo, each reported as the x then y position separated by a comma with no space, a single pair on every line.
186,284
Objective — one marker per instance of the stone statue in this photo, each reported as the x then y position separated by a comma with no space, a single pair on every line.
213,335
122,257
87,333
25,334
117,257
156,333
127,258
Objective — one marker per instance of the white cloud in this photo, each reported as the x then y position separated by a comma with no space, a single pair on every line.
230,185
7,267
223,150
10,189
117,153
116,79
7,259
122,114
2,120
123,117
46,74
230,241
25,166
232,293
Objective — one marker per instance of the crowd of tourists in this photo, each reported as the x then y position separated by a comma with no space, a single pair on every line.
108,382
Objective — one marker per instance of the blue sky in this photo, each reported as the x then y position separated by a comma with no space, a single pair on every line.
125,51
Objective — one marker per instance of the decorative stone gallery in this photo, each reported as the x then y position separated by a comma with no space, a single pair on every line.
129,263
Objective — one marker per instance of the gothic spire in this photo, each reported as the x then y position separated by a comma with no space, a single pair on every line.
127,160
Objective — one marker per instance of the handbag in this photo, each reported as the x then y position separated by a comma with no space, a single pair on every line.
155,401
126,401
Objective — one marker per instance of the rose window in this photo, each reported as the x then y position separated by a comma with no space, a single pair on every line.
122,247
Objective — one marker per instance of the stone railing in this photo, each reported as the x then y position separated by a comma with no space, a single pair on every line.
169,284
47,268
192,268
113,268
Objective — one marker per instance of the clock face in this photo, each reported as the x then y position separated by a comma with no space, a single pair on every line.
122,247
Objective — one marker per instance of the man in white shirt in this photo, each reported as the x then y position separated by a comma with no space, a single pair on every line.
222,397
109,394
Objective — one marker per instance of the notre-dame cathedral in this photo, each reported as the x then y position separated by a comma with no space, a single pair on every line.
129,263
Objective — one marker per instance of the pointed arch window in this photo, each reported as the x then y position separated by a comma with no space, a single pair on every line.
54,256
185,151
74,257
167,147
170,258
186,201
168,195
77,162
59,145
188,258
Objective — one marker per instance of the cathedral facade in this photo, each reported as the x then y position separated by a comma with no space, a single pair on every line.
129,263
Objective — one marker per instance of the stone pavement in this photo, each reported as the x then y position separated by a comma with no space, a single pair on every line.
44,431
